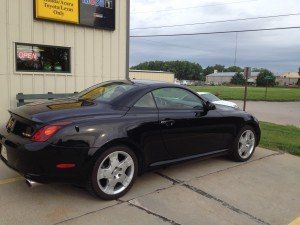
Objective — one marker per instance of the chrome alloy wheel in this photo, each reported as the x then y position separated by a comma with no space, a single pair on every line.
115,173
246,144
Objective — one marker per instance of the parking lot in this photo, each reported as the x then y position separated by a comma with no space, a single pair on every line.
214,191
284,113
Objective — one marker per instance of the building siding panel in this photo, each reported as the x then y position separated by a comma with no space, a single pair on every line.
96,55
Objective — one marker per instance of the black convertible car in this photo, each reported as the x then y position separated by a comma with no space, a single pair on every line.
106,135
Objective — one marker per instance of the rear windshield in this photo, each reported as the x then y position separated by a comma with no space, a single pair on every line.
105,91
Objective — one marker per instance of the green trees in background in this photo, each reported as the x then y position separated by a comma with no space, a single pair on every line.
265,78
220,68
238,79
183,70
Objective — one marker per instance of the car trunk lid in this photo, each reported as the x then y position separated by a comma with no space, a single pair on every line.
27,119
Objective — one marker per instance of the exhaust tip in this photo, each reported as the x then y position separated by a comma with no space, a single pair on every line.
31,184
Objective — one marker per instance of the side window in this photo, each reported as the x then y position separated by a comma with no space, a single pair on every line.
176,98
146,102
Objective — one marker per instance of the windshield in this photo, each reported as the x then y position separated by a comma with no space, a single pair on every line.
210,97
105,91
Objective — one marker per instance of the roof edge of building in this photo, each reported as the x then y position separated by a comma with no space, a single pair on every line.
151,71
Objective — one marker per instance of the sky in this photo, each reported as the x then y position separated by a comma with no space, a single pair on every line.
278,51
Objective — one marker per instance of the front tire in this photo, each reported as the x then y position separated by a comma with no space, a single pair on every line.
244,145
113,173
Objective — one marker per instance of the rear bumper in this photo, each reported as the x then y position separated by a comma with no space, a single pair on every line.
37,161
34,177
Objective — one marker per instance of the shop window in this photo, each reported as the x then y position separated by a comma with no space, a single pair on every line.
42,58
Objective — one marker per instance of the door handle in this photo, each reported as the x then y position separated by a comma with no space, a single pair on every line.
167,122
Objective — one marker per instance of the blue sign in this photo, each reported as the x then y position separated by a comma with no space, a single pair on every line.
94,2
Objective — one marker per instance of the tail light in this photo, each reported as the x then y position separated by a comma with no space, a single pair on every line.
46,132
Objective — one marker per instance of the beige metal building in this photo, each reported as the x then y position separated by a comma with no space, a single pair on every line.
152,75
288,78
89,55
219,78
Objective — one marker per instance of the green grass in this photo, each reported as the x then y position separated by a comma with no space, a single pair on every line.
254,93
279,137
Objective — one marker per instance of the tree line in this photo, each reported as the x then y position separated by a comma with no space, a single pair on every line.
185,70
264,78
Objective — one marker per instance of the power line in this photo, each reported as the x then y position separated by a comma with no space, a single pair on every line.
217,21
193,7
214,32
173,45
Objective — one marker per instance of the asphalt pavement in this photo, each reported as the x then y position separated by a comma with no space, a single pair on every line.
284,113
214,191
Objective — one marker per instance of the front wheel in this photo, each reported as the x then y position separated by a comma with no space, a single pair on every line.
114,173
244,144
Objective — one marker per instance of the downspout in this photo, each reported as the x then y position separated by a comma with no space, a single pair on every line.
127,37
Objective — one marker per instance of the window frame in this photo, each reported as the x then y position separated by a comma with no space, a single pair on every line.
186,109
144,108
41,71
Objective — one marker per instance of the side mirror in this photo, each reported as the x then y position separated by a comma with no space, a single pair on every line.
210,106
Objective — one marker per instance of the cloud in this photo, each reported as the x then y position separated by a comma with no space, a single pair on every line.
275,50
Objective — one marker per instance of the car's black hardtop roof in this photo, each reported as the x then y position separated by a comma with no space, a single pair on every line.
152,83
143,87
146,83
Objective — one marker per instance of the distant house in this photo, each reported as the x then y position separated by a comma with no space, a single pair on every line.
218,78
288,78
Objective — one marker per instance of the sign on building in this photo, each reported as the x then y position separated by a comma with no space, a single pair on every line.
91,13
58,10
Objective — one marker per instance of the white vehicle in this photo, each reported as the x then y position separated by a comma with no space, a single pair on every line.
214,99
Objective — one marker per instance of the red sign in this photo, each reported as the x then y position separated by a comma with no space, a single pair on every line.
23,55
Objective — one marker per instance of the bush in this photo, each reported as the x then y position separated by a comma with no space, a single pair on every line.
238,79
265,78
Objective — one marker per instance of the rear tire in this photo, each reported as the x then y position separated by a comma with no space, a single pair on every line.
113,173
244,144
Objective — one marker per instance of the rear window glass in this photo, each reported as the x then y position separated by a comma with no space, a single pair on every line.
146,102
105,91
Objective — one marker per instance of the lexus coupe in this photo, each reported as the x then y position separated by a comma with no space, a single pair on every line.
108,134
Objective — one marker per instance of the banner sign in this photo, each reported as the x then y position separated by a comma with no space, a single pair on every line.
59,10
92,13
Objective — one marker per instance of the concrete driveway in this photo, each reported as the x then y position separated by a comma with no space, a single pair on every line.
284,113
215,191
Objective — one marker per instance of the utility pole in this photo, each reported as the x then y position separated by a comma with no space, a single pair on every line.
267,79
247,74
236,48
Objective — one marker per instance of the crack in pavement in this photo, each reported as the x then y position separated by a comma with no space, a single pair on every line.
179,182
139,206
209,196
227,205
88,213
174,181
